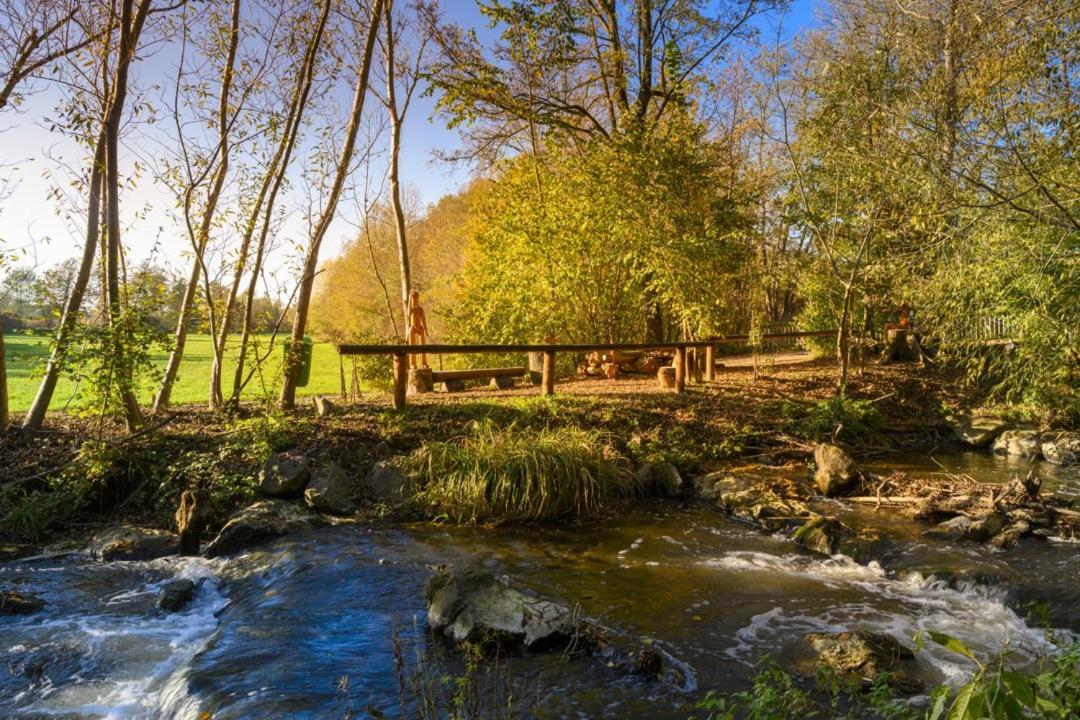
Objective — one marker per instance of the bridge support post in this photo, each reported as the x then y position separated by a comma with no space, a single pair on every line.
548,374
401,373
680,369
710,363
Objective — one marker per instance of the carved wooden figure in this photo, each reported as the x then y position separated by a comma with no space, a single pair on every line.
417,328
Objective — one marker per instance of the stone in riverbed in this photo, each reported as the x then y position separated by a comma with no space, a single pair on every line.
1011,535
389,480
331,491
127,542
1018,443
1063,449
862,657
977,429
474,605
820,535
16,603
175,594
962,527
284,475
255,524
659,479
835,473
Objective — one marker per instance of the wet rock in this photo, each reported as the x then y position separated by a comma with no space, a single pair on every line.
16,603
284,475
865,546
835,473
652,662
389,480
863,656
821,535
978,429
133,543
764,508
1018,443
1011,535
660,479
962,527
1064,449
474,605
13,551
265,520
175,594
331,491
712,486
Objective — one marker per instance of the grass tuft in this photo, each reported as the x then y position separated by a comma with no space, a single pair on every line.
516,474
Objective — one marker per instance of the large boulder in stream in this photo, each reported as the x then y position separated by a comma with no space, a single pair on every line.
835,473
821,535
17,603
331,491
862,657
475,605
284,475
255,524
977,429
126,542
1018,443
660,479
1063,449
175,594
389,480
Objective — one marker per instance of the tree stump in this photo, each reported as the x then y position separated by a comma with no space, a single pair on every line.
420,381
189,522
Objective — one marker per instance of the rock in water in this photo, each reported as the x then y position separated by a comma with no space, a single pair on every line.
190,518
265,520
330,491
284,475
659,479
175,594
133,543
1018,443
14,603
1063,449
820,535
835,473
863,656
475,605
977,429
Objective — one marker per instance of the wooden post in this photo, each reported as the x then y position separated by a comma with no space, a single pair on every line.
548,373
341,374
710,363
680,369
401,373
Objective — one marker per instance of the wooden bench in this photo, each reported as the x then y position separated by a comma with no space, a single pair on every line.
454,380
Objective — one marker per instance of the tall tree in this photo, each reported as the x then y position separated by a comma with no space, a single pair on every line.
291,370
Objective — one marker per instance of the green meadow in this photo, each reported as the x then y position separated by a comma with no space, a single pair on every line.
27,354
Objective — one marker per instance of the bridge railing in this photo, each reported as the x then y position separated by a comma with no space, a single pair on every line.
400,355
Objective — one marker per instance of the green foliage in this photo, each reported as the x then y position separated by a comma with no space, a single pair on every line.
773,696
517,474
857,420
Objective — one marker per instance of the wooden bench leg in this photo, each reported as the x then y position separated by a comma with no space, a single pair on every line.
548,380
710,363
401,373
680,370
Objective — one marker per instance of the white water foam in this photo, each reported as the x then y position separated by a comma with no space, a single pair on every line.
147,655
976,615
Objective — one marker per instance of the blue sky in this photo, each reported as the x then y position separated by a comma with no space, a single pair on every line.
30,221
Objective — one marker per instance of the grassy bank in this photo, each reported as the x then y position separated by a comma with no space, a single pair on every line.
27,354
586,438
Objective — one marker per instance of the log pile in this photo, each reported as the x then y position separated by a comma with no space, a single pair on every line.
614,363
965,509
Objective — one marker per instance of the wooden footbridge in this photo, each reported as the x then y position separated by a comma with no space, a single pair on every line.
548,351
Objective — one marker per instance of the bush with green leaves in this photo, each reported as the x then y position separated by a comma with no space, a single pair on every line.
520,474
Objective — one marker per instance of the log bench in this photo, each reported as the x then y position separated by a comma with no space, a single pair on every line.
454,380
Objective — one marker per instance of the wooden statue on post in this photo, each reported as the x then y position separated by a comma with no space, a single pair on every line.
417,328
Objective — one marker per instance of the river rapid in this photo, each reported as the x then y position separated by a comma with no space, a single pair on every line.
303,627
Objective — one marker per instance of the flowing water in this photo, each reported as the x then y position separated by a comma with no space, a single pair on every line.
272,632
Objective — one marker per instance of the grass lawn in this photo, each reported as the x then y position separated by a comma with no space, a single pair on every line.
26,357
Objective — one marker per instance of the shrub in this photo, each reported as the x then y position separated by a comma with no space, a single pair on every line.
857,420
519,474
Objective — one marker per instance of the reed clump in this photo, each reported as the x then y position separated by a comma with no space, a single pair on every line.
518,474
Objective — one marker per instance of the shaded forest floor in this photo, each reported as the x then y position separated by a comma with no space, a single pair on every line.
79,474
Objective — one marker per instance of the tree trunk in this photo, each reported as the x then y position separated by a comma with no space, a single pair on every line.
395,180
3,382
271,185
172,367
130,30
307,281
36,415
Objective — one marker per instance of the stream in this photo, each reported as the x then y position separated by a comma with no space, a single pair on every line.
304,627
